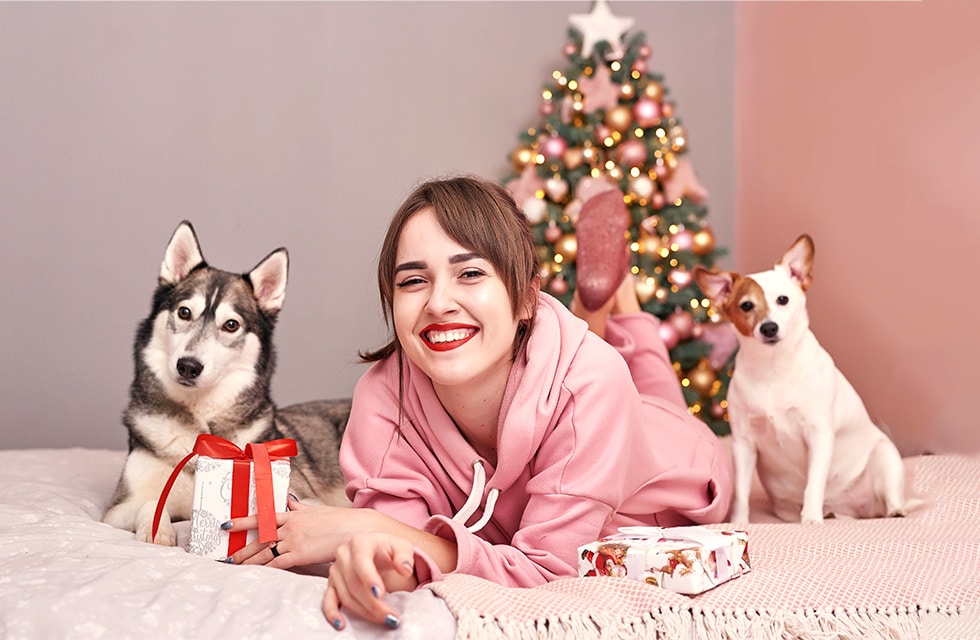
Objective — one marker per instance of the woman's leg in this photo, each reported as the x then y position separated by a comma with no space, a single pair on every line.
635,334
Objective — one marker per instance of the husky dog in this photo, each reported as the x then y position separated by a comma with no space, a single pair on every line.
204,359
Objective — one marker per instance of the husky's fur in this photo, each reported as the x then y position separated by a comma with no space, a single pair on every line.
204,359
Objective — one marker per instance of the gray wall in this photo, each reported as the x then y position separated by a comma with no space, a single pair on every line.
297,124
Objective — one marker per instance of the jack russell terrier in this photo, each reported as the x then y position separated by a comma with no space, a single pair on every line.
794,416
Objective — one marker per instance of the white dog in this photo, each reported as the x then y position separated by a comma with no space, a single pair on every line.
794,416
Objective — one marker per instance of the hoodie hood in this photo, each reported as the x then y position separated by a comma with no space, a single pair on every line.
528,411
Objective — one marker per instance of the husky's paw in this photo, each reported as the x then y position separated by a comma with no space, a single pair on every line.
166,534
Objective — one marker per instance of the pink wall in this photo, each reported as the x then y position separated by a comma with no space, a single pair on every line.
859,123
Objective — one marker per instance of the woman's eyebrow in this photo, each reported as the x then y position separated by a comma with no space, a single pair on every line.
464,257
410,266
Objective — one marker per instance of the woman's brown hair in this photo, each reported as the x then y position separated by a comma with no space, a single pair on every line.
481,216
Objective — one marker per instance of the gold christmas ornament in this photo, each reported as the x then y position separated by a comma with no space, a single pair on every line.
573,157
654,90
702,377
627,92
646,289
567,246
520,157
619,118
650,245
704,242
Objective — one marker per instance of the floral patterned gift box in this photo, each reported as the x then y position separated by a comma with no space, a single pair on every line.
688,560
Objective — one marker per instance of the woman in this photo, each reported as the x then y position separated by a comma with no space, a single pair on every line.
496,433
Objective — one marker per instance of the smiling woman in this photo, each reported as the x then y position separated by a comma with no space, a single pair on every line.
495,433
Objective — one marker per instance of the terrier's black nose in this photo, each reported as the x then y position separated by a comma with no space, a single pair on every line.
189,368
768,329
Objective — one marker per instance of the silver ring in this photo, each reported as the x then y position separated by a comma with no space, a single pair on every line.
275,552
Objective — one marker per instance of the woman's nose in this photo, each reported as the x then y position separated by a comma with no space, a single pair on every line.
442,298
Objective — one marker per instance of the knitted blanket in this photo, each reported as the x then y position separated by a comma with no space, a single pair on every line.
896,578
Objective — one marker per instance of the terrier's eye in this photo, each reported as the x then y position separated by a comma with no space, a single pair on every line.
782,300
184,313
231,326
747,306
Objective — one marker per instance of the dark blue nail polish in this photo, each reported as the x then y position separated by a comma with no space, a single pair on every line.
226,525
293,497
391,621
376,591
337,623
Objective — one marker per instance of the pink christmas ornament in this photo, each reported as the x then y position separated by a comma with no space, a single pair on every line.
632,153
668,334
681,278
600,91
556,189
657,200
547,108
553,147
552,233
640,65
558,286
684,240
683,324
647,112
645,51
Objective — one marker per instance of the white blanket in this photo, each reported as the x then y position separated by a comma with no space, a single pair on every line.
64,574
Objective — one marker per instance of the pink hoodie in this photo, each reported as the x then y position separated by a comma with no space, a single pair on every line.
580,454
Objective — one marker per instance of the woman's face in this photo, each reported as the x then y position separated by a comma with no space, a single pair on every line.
452,313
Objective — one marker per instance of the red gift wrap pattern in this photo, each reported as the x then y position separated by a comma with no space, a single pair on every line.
230,482
688,560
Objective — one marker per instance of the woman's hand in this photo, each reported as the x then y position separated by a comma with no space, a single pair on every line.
306,534
367,567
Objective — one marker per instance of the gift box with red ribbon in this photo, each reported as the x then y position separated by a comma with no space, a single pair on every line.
686,560
230,482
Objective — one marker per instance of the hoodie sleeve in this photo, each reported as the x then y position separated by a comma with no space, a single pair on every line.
380,470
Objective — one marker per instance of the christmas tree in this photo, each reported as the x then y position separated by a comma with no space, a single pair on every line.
605,118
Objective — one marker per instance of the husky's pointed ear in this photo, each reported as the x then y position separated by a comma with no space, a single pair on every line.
717,285
799,260
183,255
268,280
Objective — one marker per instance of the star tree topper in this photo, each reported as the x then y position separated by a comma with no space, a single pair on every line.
601,25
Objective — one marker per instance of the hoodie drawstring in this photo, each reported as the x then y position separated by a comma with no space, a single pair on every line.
473,500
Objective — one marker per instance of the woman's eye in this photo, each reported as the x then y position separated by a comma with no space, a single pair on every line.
408,282
470,274
184,313
746,306
782,300
231,326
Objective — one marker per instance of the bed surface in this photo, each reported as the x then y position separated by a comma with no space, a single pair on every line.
65,574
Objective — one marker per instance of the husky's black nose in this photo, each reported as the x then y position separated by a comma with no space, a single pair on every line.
189,368
768,329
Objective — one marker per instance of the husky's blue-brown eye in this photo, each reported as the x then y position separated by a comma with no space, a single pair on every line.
782,300
747,306
183,313
231,326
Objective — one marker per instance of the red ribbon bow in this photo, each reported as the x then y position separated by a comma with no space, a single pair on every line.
261,454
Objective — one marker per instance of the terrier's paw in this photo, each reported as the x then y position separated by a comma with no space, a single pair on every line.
811,516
